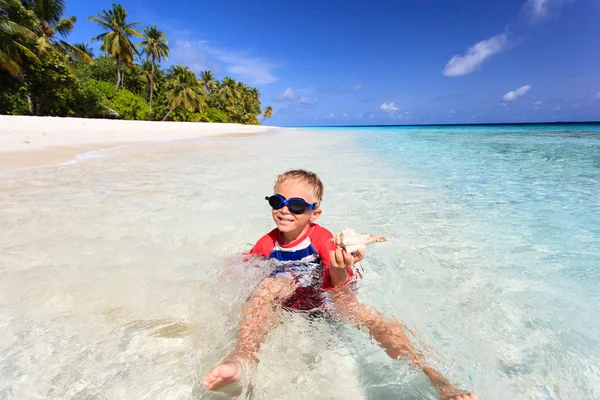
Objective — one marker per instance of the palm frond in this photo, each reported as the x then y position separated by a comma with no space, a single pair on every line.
100,21
9,63
65,26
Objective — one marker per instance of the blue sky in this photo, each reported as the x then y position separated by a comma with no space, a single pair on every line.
388,62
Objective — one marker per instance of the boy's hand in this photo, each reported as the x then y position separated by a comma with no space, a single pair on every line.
342,259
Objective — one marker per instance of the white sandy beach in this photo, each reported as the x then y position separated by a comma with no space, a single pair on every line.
34,141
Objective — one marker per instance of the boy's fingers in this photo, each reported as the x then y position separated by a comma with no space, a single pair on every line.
348,259
339,255
336,258
360,255
332,260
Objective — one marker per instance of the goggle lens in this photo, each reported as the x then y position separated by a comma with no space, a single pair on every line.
295,205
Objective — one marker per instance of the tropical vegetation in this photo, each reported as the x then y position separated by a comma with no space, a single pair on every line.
41,73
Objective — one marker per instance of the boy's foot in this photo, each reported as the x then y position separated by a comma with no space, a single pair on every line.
452,393
226,378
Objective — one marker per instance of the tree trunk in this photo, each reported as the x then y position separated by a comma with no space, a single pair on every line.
36,106
118,74
169,113
151,87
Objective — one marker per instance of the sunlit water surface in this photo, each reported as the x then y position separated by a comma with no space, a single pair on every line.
117,278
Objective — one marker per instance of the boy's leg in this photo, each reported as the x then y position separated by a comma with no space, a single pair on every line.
388,333
391,336
262,311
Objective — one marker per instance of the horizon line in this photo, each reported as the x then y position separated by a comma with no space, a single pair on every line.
454,124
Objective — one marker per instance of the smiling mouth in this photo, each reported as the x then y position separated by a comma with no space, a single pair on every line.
283,219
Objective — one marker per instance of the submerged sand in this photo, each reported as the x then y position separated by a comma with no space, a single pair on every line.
34,141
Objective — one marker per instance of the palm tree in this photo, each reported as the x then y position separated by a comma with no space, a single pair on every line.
148,73
117,41
155,46
83,52
14,38
253,105
228,94
208,79
85,48
268,112
50,24
184,89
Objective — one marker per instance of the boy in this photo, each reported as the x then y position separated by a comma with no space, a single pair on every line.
311,271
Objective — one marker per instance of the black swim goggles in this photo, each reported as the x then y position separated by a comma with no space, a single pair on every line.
296,205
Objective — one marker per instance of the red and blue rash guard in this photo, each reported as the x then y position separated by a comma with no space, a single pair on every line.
305,260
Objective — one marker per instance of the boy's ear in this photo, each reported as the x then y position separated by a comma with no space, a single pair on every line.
316,214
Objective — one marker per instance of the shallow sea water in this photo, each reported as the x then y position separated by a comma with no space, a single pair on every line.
118,274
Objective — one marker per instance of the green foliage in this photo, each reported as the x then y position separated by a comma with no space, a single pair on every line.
103,70
134,80
128,105
50,85
208,115
268,112
184,91
12,98
215,115
89,100
160,104
41,74
15,36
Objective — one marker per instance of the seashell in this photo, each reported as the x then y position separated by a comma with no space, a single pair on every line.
351,241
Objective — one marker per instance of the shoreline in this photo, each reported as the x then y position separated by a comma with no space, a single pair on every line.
27,141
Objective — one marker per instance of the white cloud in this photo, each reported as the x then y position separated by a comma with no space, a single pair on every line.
556,108
193,54
306,101
452,112
356,87
538,10
476,55
598,96
389,108
294,95
394,112
288,94
538,103
200,55
256,70
510,96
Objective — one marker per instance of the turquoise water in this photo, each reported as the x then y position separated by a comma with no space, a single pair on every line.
511,217
115,281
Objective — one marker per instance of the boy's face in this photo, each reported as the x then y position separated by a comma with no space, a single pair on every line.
288,222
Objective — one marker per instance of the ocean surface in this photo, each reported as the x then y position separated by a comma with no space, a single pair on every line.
120,274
